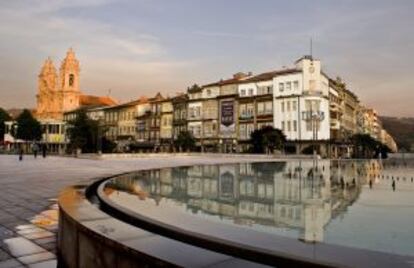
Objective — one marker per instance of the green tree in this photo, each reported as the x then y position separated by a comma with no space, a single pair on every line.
83,133
185,141
4,116
267,139
365,146
28,128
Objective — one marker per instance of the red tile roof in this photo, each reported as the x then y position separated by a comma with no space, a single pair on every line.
89,100
255,78
269,75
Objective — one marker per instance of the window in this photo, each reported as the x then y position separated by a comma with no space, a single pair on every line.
242,131
242,92
250,91
288,106
312,85
281,87
71,80
283,106
269,107
288,126
250,109
250,129
288,86
260,108
293,105
269,89
283,125
208,92
295,85
295,125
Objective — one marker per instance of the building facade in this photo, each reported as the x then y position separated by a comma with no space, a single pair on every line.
314,111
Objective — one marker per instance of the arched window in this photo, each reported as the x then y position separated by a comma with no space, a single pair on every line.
71,80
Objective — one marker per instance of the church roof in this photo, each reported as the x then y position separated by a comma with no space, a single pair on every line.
90,100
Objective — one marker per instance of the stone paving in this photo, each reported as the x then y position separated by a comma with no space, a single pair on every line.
29,190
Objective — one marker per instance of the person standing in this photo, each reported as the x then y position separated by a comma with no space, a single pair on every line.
393,185
35,149
44,150
20,153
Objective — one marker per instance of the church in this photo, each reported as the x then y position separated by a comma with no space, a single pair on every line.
61,93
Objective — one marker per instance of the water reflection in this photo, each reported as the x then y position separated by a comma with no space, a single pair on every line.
300,195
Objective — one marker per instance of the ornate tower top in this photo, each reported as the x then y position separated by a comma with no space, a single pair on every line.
70,62
47,68
69,72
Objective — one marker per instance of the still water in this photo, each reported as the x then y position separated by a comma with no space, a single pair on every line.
361,204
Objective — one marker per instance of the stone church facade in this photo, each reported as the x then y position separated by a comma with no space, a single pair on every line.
59,93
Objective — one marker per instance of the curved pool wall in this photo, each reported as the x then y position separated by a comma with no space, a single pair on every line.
96,231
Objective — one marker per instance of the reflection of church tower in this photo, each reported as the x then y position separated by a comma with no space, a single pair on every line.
47,106
69,82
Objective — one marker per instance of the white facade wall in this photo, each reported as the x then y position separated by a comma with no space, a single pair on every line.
292,94
195,129
195,110
252,89
210,92
261,84
247,90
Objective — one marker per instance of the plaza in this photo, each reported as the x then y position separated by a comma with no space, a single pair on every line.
28,209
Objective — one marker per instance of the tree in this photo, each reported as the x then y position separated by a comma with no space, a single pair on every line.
28,128
366,147
83,134
185,141
267,139
4,116
194,87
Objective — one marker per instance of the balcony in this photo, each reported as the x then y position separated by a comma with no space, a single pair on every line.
335,124
313,93
265,112
246,116
194,117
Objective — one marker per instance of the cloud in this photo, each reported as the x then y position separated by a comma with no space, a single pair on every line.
109,56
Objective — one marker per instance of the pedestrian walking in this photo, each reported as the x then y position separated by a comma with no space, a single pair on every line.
393,185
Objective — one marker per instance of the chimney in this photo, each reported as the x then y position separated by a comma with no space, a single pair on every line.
241,75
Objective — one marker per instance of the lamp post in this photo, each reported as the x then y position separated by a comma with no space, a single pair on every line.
315,118
99,141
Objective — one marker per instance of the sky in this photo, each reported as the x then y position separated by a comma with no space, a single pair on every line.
139,47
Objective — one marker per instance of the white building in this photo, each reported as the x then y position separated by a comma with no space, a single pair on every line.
300,93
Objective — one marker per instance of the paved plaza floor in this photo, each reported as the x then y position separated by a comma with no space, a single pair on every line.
29,191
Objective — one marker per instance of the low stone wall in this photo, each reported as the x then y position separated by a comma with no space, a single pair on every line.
220,155
89,237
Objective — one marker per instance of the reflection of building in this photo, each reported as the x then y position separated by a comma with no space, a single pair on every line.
294,195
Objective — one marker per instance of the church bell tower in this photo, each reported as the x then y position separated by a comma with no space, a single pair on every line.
47,106
69,81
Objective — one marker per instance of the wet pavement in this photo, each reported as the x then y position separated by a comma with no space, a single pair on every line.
28,210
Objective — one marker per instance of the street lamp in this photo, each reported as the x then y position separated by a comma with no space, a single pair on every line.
314,117
99,141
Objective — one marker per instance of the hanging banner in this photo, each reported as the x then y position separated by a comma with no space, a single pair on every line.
227,124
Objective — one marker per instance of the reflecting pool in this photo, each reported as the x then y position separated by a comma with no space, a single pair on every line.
360,204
